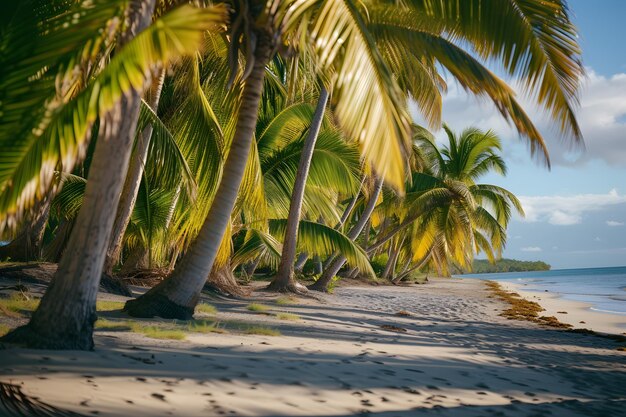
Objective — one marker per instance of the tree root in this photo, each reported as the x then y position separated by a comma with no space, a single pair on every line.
113,285
28,337
318,287
157,305
291,288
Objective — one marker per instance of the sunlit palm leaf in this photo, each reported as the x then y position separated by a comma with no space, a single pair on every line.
324,240
26,165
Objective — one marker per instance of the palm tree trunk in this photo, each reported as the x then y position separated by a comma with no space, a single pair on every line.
133,179
350,207
27,244
67,312
177,296
388,273
322,283
284,280
301,261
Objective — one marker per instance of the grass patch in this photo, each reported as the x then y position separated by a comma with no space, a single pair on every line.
204,308
285,301
116,326
4,329
258,308
522,309
109,305
18,304
202,326
287,316
156,332
261,330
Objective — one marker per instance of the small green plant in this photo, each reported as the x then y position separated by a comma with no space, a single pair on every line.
258,308
157,332
285,301
4,329
333,284
110,325
17,304
109,305
202,326
261,330
204,308
287,316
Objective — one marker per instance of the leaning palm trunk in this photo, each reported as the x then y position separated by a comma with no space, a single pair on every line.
133,180
177,296
390,267
322,283
27,244
67,312
284,280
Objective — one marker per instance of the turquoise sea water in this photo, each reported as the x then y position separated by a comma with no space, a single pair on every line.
603,288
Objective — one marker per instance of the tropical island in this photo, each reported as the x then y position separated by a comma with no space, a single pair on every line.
222,208
483,266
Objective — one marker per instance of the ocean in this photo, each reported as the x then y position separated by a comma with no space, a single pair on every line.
603,288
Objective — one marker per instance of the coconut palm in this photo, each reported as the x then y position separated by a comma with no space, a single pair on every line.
446,216
381,114
428,32
113,95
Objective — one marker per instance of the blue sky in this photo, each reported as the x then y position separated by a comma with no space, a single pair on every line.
576,213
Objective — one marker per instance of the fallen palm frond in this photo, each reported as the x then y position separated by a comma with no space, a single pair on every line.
13,402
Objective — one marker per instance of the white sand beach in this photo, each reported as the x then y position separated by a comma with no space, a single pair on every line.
456,357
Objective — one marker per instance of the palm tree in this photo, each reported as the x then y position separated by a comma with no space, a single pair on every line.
381,113
133,179
329,273
65,317
446,216
427,32
284,280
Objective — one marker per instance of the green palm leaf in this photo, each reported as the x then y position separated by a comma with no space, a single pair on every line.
26,164
324,240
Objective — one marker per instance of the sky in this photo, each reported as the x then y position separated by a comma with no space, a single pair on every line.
575,212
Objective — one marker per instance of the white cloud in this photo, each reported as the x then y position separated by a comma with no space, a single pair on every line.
531,249
597,239
561,218
614,223
600,116
567,210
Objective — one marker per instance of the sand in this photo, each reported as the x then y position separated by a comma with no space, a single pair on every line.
456,357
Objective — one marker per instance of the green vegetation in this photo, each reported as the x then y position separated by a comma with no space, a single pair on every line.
109,305
156,332
261,331
483,266
203,326
18,304
378,187
110,325
285,301
258,308
287,316
204,308
4,329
